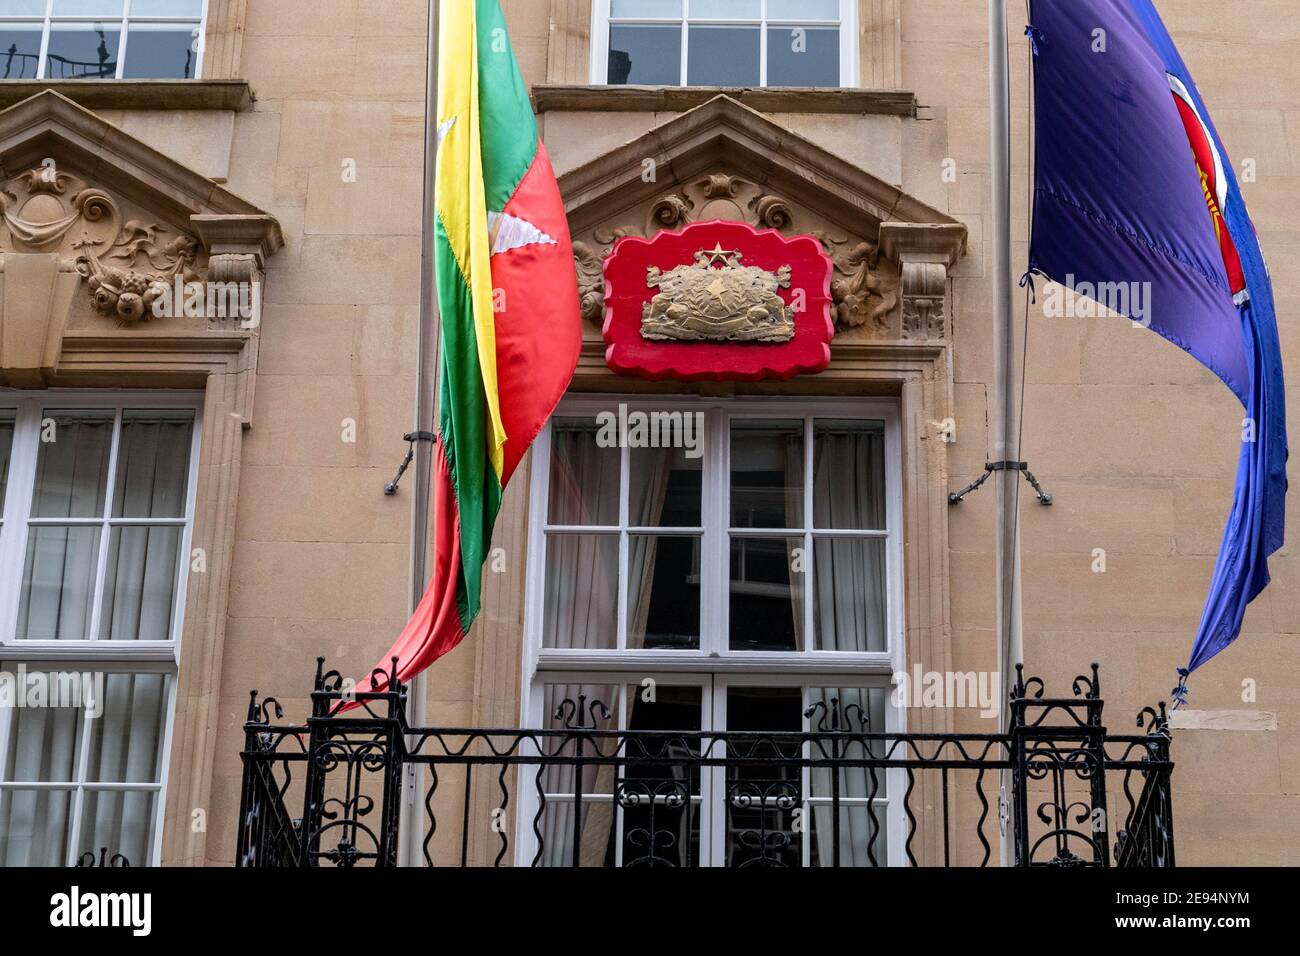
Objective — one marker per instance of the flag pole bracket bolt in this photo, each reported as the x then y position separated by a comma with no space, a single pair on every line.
410,438
989,468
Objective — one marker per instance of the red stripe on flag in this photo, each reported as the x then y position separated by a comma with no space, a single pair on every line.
539,330
435,627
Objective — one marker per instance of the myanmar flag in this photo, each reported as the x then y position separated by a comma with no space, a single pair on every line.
508,298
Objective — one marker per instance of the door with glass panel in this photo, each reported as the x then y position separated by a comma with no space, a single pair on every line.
734,580
97,504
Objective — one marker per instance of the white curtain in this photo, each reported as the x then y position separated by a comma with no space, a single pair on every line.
865,714
152,477
43,745
59,576
581,607
849,612
849,573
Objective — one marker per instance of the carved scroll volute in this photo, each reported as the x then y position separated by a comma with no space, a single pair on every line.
925,290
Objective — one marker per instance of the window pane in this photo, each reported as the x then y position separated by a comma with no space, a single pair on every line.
43,741
849,581
849,475
23,8
645,55
120,822
80,51
722,56
798,9
172,8
88,8
767,465
664,488
661,821
72,466
140,584
153,462
161,51
58,584
581,601
761,796
34,827
645,9
766,594
725,9
20,50
584,475
663,595
125,739
803,56
6,449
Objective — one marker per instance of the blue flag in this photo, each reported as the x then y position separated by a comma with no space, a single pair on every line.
1136,205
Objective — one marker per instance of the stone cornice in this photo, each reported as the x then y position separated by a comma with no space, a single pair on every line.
679,99
234,95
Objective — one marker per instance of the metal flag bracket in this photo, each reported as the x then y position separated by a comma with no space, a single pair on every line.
410,438
989,468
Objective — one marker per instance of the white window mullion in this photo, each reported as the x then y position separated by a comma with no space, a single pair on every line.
808,583
45,41
762,44
121,45
13,537
624,484
106,527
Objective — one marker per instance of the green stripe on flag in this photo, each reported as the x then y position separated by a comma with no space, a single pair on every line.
506,121
463,427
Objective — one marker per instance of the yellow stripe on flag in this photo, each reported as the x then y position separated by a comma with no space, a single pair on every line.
460,197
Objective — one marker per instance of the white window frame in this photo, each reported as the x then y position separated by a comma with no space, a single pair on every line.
714,666
848,25
91,655
122,23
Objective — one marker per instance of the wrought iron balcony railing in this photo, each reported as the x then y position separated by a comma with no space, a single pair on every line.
328,792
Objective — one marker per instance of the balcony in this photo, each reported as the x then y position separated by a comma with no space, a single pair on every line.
327,792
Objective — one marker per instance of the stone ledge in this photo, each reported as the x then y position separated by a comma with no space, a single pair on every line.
137,94
679,99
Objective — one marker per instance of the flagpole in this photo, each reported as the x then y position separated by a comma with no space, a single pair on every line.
409,851
1005,435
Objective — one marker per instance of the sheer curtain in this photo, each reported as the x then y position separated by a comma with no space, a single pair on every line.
43,745
59,575
652,478
849,494
580,611
849,609
865,711
143,561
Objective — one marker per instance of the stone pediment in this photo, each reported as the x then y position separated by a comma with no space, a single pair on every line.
723,160
96,226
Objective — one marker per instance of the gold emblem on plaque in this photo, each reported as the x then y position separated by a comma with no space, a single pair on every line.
718,299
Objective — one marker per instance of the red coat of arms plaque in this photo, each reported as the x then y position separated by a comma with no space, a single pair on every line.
718,301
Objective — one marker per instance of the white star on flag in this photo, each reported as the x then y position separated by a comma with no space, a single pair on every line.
510,232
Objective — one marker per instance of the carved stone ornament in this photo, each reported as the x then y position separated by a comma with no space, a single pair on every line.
865,285
128,263
925,287
717,299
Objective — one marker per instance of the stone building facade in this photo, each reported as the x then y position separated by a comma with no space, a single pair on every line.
288,159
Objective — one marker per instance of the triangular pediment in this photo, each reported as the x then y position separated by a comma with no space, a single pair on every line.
68,177
723,160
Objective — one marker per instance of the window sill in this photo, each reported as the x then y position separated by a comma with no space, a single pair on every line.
137,94
678,99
